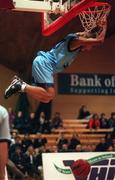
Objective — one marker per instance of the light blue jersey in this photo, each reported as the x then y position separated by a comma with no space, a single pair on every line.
46,64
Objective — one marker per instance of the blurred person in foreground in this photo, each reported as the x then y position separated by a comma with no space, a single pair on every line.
5,139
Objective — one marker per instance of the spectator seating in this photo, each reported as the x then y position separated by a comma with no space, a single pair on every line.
70,126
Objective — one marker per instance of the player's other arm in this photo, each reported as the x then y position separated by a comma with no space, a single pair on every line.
102,34
87,40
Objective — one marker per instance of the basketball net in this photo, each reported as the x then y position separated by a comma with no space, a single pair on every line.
96,13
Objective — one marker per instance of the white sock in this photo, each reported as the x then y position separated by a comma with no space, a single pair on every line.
23,86
6,175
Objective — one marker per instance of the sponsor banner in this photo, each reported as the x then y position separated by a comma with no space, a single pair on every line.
57,166
86,84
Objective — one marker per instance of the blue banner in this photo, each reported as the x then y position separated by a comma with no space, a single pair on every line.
86,84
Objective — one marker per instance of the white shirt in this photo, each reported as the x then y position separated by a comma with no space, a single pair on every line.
4,125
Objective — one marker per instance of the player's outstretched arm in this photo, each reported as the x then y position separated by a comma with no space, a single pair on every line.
85,42
87,39
91,41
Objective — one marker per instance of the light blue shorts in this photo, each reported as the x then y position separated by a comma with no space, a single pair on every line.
42,71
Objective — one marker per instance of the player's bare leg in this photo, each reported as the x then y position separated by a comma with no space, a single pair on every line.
38,93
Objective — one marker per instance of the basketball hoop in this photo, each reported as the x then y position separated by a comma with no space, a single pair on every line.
95,13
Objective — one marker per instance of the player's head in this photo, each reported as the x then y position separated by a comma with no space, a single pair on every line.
97,29
91,34
94,32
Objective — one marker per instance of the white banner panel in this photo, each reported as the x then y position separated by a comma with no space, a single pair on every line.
57,166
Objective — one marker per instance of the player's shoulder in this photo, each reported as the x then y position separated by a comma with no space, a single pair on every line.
72,35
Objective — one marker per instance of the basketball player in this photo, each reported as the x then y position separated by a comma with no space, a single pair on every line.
4,140
46,64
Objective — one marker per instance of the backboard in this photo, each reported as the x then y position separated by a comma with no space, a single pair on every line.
61,12
55,13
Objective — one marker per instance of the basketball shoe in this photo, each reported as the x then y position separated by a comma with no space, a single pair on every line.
17,85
